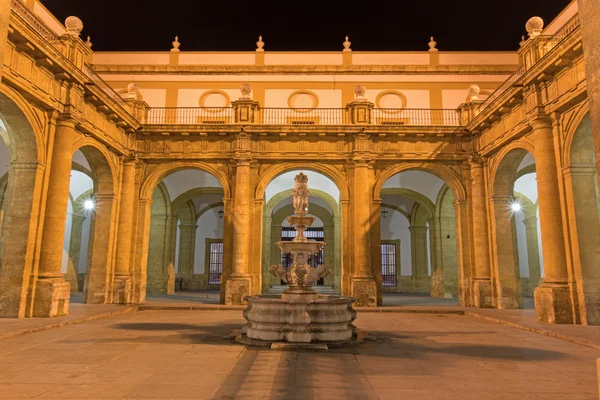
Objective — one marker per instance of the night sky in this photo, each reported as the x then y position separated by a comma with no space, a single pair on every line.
212,25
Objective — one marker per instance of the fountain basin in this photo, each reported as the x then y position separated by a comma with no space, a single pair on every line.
300,319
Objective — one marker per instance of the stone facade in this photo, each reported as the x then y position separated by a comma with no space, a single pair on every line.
54,104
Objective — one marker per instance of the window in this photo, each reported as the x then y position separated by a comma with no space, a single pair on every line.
215,263
388,264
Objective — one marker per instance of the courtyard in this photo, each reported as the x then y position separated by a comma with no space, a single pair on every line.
174,354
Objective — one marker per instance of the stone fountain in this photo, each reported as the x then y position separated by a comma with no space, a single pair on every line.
300,315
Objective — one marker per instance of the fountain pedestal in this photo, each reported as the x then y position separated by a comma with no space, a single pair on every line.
300,314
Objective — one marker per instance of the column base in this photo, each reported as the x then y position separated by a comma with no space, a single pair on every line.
236,290
52,298
123,290
510,294
436,287
364,290
482,292
553,303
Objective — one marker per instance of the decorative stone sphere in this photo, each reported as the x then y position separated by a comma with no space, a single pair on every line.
474,92
133,88
246,89
74,25
360,91
534,26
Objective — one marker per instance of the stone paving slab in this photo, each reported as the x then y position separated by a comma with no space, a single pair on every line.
11,327
181,355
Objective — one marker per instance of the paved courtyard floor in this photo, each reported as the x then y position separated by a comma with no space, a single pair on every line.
181,355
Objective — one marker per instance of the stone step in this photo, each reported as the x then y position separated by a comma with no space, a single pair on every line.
278,289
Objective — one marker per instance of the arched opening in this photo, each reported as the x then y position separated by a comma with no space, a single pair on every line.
517,257
186,234
324,205
89,231
418,233
584,203
21,165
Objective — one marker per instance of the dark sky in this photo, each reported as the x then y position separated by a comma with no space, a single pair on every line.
399,25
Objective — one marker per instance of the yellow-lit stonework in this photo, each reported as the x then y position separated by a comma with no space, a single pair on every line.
154,172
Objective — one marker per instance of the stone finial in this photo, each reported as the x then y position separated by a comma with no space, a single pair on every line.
534,26
74,26
133,92
347,44
359,92
246,89
432,43
522,42
474,91
260,44
88,42
175,44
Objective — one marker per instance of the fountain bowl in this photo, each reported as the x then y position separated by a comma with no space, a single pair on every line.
300,316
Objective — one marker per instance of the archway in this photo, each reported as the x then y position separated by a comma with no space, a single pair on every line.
186,237
24,162
324,205
417,220
583,200
516,255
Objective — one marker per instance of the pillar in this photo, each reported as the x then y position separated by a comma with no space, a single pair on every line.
363,286
75,251
4,20
420,276
481,282
141,265
123,284
375,248
552,298
98,286
52,292
589,17
437,270
238,284
533,253
187,247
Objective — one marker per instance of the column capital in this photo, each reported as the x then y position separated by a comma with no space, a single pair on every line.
541,121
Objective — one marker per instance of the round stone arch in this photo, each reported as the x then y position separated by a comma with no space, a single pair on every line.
20,236
195,192
208,208
25,132
104,165
582,112
157,172
338,177
411,194
503,168
445,173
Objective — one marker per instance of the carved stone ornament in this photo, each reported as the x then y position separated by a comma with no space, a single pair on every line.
300,194
432,44
246,89
260,44
360,91
534,26
74,26
133,92
347,44
88,42
474,91
175,44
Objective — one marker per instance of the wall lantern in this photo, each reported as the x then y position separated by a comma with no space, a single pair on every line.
384,213
221,213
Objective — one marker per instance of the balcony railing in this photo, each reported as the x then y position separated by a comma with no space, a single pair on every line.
302,116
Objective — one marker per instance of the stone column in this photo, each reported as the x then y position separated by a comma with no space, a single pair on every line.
74,251
238,285
4,20
267,260
141,265
552,298
52,292
375,245
275,253
187,246
589,16
481,282
329,251
420,277
437,269
227,246
363,286
533,253
123,286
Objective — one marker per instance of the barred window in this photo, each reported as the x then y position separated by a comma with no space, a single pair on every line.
215,267
388,264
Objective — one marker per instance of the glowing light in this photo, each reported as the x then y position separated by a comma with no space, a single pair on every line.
515,207
89,204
